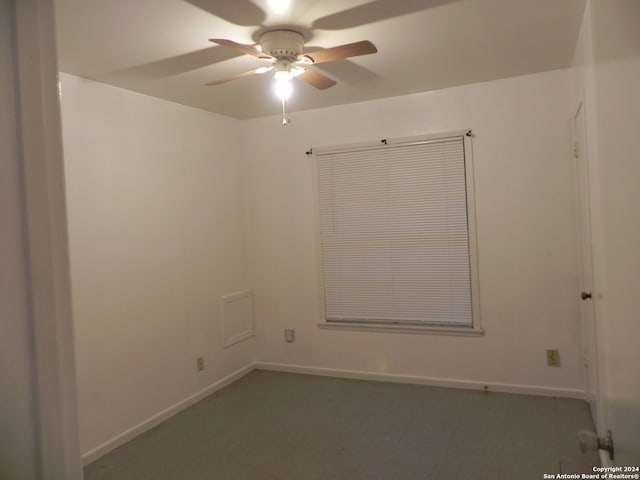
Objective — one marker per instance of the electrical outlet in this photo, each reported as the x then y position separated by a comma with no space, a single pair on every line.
289,335
200,363
553,358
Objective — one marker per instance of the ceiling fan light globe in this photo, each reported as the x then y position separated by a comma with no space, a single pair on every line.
283,75
283,89
279,6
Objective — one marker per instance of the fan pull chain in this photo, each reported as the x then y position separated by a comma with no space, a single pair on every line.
285,120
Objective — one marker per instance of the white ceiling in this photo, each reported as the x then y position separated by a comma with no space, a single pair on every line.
160,47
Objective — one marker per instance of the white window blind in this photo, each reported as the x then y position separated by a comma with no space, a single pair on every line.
394,234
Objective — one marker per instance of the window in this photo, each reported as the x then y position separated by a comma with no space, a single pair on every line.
397,234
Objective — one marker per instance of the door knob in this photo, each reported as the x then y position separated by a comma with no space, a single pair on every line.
585,295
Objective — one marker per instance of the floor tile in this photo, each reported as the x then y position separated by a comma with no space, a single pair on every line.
281,426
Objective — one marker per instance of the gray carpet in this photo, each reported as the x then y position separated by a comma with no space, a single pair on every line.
281,426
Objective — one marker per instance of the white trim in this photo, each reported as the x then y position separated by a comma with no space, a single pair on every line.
38,120
420,380
317,233
165,414
587,272
399,328
472,233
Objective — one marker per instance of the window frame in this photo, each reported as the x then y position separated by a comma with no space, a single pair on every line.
475,329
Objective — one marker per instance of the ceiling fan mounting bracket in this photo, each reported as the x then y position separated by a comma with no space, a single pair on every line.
282,44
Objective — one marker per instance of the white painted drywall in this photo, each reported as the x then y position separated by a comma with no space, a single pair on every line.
608,72
526,212
158,234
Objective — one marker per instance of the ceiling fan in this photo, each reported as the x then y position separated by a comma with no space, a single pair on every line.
284,50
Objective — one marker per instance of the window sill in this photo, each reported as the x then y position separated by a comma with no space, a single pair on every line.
413,329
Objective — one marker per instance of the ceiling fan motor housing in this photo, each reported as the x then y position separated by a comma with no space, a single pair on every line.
282,44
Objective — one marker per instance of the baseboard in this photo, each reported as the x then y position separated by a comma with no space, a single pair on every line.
160,417
419,380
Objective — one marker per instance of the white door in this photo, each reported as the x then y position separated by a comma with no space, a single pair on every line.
589,344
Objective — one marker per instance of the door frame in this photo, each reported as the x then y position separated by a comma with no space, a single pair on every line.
45,218
584,218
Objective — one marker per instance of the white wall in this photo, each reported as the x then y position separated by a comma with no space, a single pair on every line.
157,225
18,438
608,57
526,235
